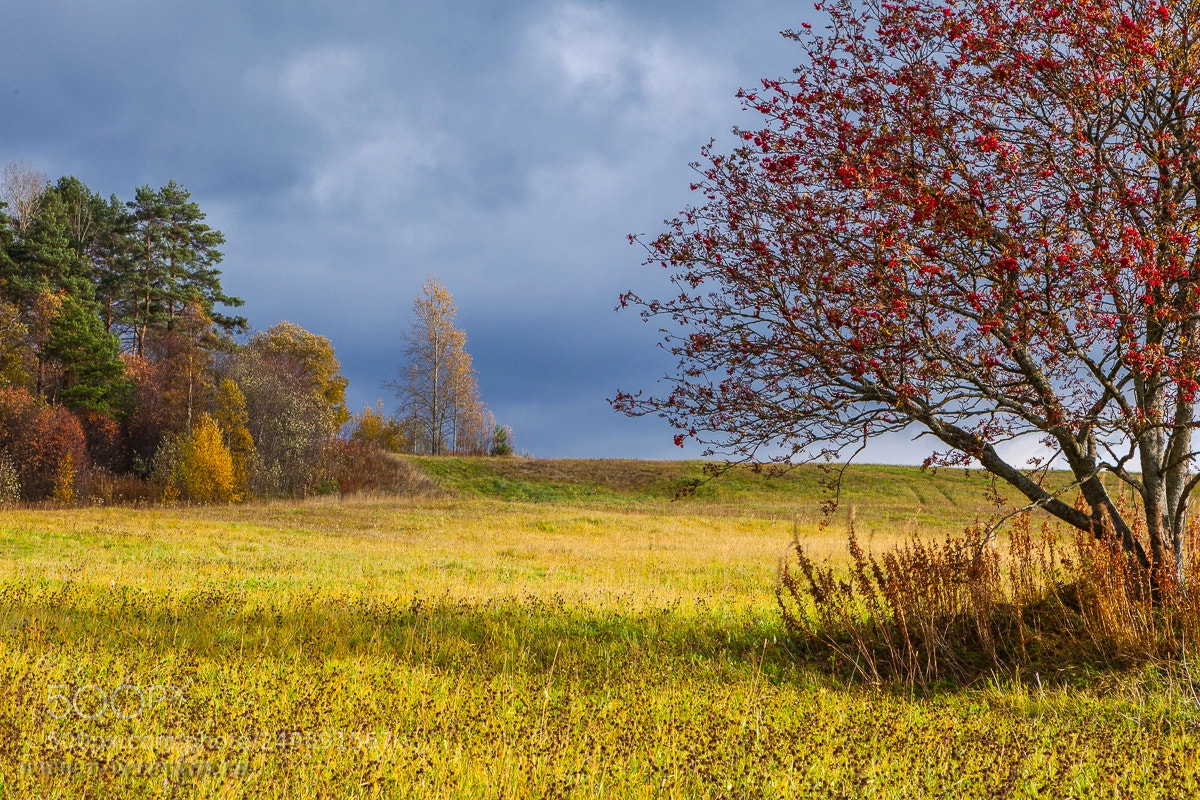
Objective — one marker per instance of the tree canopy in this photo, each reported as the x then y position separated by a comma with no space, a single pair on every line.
118,370
977,219
437,385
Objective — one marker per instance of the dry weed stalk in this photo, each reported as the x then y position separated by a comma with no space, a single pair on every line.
959,608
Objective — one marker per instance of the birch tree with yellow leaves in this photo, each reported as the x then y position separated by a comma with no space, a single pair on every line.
437,385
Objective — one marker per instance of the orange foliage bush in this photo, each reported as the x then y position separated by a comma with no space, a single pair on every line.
46,443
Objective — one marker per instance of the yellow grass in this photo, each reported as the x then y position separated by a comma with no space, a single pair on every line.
475,550
586,645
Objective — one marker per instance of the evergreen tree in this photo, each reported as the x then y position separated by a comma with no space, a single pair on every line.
112,251
46,258
100,232
7,239
81,206
502,441
92,374
174,263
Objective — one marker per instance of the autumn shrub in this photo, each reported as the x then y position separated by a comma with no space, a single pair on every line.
356,467
374,426
55,455
960,608
46,442
17,404
105,441
205,469
105,488
233,420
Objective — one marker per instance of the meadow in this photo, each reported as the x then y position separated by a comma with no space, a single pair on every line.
520,628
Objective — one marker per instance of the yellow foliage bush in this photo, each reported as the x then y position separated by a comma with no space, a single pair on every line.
206,466
234,422
374,426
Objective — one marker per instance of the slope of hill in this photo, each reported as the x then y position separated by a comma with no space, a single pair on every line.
878,494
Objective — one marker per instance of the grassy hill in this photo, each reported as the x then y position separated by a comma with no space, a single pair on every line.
881,496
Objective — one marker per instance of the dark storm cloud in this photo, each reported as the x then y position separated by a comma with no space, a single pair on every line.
347,150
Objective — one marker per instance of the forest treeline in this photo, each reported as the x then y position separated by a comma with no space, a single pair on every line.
126,374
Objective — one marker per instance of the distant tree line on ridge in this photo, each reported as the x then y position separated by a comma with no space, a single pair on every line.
124,374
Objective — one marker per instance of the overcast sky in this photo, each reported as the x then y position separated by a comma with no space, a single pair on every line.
347,149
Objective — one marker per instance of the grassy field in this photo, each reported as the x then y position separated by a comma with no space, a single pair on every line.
539,629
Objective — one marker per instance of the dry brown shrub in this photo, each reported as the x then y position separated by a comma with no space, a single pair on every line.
960,608
108,488
357,467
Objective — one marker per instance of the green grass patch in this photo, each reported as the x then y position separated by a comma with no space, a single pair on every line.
885,496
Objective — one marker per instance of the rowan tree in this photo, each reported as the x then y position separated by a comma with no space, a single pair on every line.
977,219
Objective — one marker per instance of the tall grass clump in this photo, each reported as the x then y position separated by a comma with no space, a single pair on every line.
1048,602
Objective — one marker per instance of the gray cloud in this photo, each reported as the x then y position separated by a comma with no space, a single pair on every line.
347,150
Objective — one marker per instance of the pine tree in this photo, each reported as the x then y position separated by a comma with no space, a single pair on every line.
100,232
45,258
174,258
92,375
113,254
